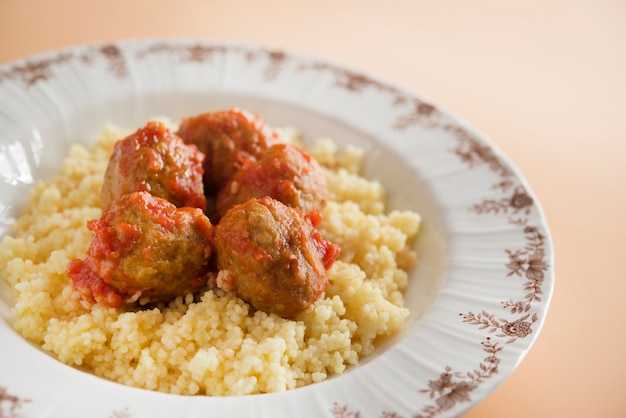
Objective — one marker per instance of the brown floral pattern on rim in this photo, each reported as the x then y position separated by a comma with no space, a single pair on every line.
200,53
449,390
520,202
342,411
112,54
34,71
420,112
10,405
353,81
277,59
519,328
188,53
529,263
453,387
474,152
516,201
39,70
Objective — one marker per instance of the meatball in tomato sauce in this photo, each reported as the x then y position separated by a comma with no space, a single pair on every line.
272,256
227,138
144,248
155,160
283,172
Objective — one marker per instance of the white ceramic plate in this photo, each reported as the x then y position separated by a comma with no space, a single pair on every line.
478,298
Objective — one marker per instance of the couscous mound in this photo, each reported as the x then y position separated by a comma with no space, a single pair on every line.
210,343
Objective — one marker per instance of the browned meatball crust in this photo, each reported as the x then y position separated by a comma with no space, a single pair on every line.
228,138
143,247
154,159
283,172
272,256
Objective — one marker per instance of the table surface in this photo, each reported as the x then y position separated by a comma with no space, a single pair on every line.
546,80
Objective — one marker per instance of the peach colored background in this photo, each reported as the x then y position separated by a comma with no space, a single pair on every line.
546,80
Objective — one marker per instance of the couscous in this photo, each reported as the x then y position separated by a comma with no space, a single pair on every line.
211,342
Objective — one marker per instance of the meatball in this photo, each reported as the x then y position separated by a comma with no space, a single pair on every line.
272,256
285,173
155,160
144,248
227,138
